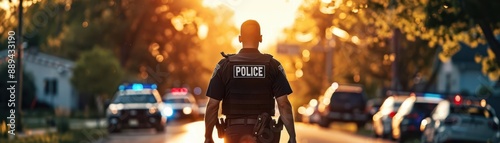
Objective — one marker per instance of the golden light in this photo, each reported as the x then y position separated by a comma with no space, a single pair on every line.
313,102
342,15
85,24
299,73
349,3
178,23
306,53
340,33
326,1
202,31
302,110
159,58
445,6
356,78
355,40
392,57
355,10
273,16
298,65
423,124
304,37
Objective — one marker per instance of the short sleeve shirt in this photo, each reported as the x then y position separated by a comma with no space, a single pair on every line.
217,89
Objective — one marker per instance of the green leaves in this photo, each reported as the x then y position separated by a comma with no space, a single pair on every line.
97,72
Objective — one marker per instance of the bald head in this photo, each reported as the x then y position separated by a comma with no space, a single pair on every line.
250,33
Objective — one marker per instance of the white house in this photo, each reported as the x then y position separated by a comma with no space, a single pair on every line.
462,73
51,76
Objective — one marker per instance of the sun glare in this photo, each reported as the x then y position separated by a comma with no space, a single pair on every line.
273,16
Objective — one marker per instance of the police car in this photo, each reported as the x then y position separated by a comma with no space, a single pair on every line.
406,122
179,103
460,121
136,106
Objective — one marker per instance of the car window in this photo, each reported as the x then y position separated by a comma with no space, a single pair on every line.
347,97
472,111
141,98
177,100
425,108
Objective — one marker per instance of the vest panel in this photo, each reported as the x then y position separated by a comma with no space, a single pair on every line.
249,87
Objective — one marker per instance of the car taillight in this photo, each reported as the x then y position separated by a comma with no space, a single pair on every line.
493,125
450,120
392,114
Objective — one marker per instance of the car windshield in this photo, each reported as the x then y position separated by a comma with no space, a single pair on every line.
177,100
472,111
397,105
141,98
424,107
347,97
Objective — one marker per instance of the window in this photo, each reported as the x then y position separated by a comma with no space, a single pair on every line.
50,86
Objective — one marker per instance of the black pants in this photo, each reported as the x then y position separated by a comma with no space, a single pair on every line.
243,134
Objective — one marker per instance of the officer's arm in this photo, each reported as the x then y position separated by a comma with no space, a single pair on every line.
285,108
211,117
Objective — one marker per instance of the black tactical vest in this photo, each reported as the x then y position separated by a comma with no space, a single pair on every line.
249,90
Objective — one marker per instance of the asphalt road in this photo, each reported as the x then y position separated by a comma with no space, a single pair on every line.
192,132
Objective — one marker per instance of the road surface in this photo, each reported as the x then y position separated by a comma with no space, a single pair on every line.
192,132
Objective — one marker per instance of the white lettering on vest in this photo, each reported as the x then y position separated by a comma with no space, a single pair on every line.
249,71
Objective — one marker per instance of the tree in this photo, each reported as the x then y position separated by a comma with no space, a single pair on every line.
364,55
97,73
149,38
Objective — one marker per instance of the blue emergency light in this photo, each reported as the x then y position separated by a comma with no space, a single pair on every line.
137,86
432,95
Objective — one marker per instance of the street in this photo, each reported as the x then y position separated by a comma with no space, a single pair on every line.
183,132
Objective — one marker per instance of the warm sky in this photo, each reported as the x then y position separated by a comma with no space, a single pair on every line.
273,15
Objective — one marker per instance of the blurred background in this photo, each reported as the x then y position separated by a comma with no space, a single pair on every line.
76,53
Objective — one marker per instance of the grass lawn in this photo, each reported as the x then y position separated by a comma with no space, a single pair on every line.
72,136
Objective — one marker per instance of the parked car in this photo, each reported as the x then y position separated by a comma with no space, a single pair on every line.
406,122
179,103
373,106
382,120
309,113
135,106
346,103
459,122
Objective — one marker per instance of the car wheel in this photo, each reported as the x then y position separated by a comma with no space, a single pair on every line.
324,123
113,129
423,139
160,129
360,125
402,139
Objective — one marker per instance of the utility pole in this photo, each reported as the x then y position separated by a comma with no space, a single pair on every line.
19,71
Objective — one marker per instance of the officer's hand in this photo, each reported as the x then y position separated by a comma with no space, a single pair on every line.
209,140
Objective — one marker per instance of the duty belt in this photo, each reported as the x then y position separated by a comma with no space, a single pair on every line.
244,121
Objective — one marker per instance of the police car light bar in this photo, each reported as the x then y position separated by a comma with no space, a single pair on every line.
179,91
137,86
433,95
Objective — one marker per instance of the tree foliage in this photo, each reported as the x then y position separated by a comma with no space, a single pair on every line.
97,72
159,41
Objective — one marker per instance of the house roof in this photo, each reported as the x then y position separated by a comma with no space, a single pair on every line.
36,57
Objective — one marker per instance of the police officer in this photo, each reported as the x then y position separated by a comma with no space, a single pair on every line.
248,83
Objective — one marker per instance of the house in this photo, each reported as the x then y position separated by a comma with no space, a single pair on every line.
461,73
51,76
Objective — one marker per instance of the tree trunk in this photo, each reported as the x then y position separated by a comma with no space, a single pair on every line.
491,39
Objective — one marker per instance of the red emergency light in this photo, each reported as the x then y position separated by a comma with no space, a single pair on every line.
179,91
457,99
